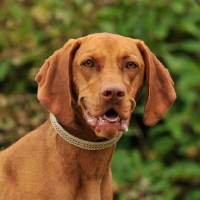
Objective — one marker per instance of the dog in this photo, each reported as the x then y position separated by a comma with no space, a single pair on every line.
90,88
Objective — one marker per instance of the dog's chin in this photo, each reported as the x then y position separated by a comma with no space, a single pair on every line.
107,131
107,126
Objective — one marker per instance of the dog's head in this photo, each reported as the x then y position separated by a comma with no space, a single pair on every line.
103,74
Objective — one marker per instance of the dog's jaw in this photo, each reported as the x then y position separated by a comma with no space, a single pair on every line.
107,126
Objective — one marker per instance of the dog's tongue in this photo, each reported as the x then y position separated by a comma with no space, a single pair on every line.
111,115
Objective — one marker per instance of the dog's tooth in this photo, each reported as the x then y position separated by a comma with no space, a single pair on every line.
118,119
100,119
90,120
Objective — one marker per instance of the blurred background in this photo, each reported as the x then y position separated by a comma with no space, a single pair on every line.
150,163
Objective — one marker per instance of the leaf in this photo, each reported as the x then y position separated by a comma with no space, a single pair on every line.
183,171
122,166
163,145
189,46
194,194
4,69
41,13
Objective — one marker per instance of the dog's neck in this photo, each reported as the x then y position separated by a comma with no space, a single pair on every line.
83,160
89,167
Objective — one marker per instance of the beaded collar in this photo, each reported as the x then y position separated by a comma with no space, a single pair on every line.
83,144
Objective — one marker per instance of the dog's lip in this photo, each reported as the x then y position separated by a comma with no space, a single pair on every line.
109,117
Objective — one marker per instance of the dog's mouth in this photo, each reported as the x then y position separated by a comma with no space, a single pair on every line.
108,125
111,116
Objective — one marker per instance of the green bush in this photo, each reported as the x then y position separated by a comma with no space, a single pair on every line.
160,162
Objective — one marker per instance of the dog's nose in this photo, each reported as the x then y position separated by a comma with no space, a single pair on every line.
112,91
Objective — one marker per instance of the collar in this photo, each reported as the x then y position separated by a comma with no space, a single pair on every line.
83,144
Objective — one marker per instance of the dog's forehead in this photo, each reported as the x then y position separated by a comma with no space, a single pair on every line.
109,43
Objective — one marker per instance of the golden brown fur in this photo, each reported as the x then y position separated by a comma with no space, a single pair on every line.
42,165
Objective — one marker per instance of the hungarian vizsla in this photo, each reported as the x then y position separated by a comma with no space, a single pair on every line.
90,87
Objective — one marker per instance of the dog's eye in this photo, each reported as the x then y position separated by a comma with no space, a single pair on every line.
131,65
88,63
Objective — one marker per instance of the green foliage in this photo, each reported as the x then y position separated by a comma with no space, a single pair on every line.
160,162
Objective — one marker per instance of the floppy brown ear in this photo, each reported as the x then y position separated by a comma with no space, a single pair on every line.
54,89
160,93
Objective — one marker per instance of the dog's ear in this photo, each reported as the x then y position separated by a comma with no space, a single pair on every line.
160,93
54,79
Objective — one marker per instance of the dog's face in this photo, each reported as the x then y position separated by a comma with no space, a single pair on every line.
102,74
108,74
